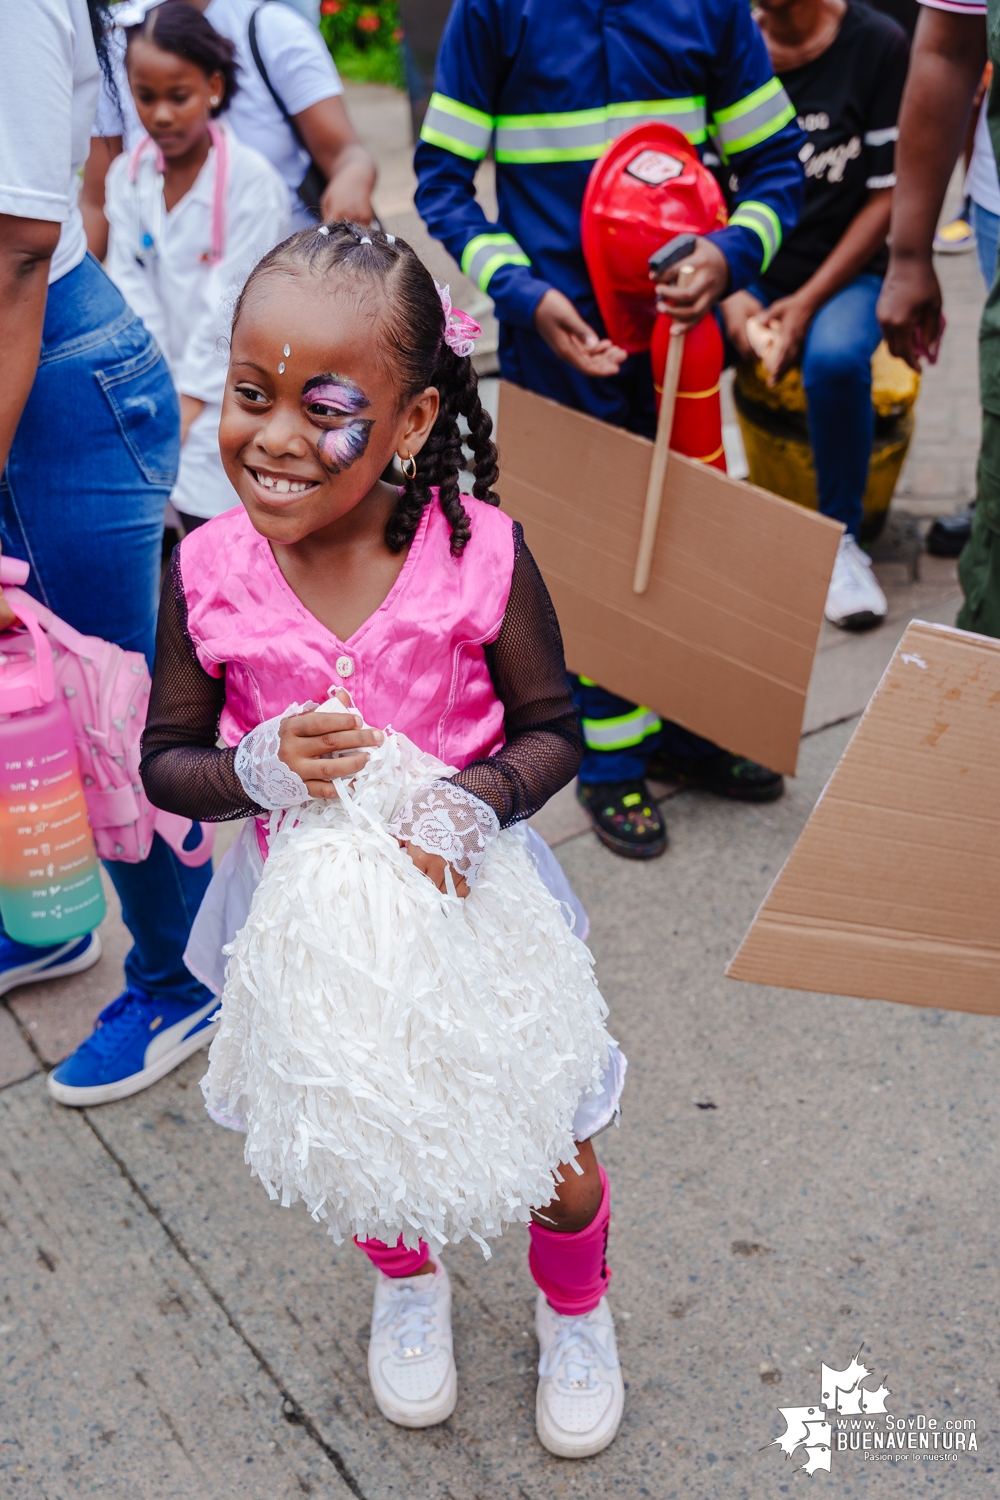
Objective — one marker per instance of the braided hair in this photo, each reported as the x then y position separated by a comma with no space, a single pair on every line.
99,12
175,26
413,349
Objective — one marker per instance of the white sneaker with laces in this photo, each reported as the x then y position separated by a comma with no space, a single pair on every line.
410,1361
854,600
581,1394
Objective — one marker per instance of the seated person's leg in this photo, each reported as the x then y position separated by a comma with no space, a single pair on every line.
836,373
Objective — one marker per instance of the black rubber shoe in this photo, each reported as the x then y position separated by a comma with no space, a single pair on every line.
949,534
726,775
626,818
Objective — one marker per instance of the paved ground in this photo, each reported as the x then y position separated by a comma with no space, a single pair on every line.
794,1176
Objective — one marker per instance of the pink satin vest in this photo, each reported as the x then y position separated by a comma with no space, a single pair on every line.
416,664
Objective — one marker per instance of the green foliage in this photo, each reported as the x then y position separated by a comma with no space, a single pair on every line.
364,38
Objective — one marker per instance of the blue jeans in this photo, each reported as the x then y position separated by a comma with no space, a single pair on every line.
987,230
81,500
836,373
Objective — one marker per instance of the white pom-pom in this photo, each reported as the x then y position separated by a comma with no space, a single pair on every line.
407,1062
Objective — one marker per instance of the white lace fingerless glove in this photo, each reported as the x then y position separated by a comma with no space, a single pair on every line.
266,779
444,819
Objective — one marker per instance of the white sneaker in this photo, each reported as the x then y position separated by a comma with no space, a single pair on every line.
854,601
410,1361
581,1394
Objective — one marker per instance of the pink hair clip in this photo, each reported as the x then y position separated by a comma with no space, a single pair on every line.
460,331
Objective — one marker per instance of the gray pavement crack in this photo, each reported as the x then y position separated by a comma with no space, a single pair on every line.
807,734
291,1408
28,1038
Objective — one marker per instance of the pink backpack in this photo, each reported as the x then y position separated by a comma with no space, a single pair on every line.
106,691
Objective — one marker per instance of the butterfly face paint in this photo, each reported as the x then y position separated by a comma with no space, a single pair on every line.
332,402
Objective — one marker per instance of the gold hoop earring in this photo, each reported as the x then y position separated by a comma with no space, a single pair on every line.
411,472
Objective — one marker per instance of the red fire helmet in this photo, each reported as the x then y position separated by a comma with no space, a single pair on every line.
647,187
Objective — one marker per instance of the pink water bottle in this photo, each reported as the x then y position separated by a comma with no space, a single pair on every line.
50,880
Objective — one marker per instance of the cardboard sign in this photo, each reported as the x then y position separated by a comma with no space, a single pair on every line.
723,639
893,889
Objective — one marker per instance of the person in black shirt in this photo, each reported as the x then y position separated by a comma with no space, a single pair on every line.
843,66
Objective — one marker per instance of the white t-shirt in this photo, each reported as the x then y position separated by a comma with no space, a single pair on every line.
47,103
184,300
298,64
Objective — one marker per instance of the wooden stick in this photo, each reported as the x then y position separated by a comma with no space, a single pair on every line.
661,450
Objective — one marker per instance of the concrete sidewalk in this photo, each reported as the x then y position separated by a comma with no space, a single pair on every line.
795,1176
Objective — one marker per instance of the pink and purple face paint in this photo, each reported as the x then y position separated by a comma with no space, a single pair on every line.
331,398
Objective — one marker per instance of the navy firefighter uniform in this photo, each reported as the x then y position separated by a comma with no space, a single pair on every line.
547,84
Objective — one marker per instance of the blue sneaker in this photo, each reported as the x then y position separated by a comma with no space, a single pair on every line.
20,963
136,1041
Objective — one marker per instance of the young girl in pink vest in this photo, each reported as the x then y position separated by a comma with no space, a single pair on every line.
423,612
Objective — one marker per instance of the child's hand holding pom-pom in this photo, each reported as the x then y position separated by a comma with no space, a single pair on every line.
321,747
434,867
285,761
294,756
444,827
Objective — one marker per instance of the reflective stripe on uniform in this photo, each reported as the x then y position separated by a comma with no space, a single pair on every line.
578,135
753,119
622,732
685,115
456,127
583,134
762,219
484,255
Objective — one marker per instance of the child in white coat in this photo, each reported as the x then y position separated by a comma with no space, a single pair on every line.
191,209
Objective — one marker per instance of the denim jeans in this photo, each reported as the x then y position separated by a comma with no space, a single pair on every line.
836,373
987,230
81,500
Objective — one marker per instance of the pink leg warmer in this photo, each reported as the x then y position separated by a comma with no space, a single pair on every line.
570,1268
394,1260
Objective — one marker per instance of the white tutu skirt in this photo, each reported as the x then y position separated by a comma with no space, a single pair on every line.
406,1062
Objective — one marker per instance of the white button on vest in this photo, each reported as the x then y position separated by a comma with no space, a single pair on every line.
344,666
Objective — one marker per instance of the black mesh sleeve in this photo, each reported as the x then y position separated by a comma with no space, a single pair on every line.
544,742
182,768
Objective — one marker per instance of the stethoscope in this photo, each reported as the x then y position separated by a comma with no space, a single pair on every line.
144,238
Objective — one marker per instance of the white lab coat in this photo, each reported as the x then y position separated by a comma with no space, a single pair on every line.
159,261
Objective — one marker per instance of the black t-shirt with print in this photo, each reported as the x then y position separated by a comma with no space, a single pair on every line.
847,102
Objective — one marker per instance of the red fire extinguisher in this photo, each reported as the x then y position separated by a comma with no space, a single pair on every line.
697,429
